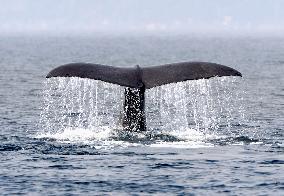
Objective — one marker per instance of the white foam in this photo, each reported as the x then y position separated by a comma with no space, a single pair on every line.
78,134
182,144
99,138
193,135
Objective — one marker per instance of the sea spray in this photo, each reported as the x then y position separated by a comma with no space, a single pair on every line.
190,110
71,103
209,106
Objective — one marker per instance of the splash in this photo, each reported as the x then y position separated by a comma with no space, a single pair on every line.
191,112
208,106
80,103
78,135
98,139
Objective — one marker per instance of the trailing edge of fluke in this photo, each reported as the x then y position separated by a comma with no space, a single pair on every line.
148,77
138,79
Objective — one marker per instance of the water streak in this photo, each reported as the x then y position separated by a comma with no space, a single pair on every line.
191,110
209,106
80,103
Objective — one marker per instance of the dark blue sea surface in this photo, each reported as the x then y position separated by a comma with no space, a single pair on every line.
222,136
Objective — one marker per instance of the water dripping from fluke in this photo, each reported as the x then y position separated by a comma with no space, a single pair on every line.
77,110
190,112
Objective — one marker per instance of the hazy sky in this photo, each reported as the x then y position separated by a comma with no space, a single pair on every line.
142,16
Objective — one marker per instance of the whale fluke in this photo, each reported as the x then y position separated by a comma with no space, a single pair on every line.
177,72
148,76
116,75
138,79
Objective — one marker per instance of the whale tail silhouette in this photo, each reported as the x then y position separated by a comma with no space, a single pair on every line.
138,79
148,76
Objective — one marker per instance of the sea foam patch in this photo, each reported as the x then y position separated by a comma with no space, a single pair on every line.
78,134
98,139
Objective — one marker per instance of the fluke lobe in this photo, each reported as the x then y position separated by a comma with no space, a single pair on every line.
138,79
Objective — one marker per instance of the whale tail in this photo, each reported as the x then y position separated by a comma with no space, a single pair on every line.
150,77
138,79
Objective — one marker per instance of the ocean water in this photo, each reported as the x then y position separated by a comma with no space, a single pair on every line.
220,136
